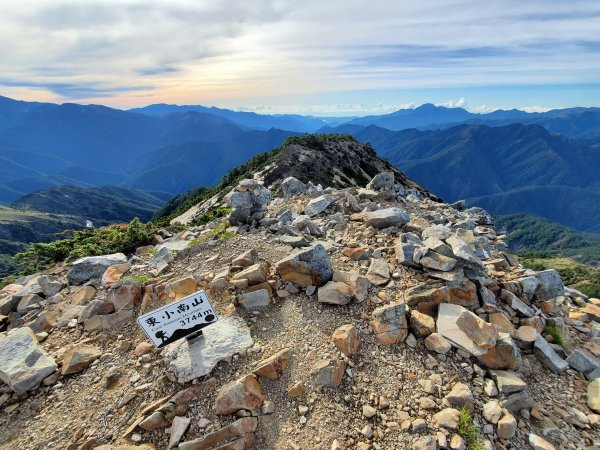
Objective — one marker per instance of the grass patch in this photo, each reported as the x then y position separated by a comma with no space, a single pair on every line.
6,281
553,331
219,230
137,278
468,431
211,215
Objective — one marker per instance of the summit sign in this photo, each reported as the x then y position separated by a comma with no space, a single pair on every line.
178,319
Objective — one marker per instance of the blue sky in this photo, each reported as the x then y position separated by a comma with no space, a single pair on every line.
311,57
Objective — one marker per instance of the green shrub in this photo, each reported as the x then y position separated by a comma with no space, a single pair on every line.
88,242
468,430
556,335
210,216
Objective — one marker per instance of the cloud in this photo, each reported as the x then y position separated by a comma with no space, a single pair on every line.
271,51
460,103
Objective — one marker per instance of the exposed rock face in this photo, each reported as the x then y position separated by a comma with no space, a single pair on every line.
92,268
308,267
23,362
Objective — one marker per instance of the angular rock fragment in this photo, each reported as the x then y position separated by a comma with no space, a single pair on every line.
482,333
385,218
330,372
291,187
237,436
23,361
243,394
335,293
346,339
379,272
92,268
508,382
308,267
78,358
318,205
505,354
272,368
547,356
389,323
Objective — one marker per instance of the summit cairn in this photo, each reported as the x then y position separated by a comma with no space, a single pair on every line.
356,311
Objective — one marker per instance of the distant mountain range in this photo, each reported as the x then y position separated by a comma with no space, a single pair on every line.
507,161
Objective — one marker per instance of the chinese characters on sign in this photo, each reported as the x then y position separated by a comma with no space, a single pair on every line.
178,320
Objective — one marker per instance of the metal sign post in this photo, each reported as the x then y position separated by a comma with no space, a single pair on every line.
184,318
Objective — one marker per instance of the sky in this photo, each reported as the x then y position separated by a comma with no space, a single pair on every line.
334,57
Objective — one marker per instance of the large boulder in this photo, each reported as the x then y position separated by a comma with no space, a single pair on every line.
309,267
91,268
385,218
247,201
291,187
383,181
549,285
318,205
546,354
447,326
23,362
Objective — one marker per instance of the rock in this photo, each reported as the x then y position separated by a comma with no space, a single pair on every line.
502,323
178,289
428,296
593,393
23,362
255,299
335,293
489,387
243,394
83,295
518,401
359,284
308,267
318,205
389,323
463,252
435,261
295,390
114,274
91,268
29,302
142,348
124,295
178,428
508,382
549,285
447,418
356,253
421,324
368,411
438,231
385,218
78,358
160,261
221,340
539,443
507,427
525,337
293,241
237,436
583,361
109,321
50,285
379,272
437,343
492,411
482,333
272,368
330,372
383,181
425,443
408,254
95,308
255,274
461,396
346,339
9,304
447,326
438,246
245,259
505,355
517,304
548,356
291,187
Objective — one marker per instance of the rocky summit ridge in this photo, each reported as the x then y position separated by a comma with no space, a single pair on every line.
352,316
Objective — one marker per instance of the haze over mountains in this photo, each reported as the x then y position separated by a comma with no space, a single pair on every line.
506,161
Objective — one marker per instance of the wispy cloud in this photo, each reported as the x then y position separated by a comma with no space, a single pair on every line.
273,52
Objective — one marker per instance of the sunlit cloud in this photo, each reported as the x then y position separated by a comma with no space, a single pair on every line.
295,56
